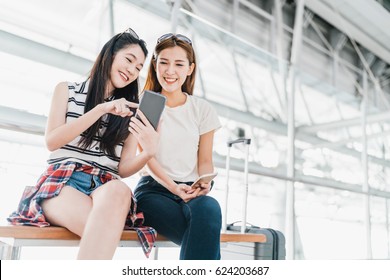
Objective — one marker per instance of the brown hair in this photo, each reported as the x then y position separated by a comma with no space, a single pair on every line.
151,80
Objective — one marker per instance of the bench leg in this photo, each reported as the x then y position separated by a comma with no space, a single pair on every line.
8,252
15,253
155,253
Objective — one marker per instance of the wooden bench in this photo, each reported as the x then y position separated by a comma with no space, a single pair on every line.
13,238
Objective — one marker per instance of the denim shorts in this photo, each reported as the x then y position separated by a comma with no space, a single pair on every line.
84,182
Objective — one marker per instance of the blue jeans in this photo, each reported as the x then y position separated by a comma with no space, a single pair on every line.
194,225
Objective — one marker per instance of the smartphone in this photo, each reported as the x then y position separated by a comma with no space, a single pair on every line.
205,178
152,104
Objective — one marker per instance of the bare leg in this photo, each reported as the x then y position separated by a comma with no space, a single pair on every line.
70,209
99,219
111,204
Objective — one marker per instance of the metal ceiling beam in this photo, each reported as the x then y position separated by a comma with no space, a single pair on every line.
21,140
331,145
19,120
379,117
26,48
256,9
327,10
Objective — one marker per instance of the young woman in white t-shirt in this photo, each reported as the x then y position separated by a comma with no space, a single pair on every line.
185,216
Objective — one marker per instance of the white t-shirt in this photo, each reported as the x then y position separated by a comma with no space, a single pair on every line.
180,132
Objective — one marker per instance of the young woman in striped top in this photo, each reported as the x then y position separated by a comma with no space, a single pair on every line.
91,149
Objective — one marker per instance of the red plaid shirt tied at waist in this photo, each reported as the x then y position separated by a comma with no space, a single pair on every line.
49,185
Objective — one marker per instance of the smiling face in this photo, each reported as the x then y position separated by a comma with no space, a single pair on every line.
172,69
126,66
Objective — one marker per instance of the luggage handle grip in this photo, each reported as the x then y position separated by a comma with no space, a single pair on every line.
239,140
247,225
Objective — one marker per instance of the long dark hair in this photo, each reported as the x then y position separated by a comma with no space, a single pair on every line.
151,80
117,129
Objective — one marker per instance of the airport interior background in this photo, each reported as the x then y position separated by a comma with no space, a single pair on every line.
307,80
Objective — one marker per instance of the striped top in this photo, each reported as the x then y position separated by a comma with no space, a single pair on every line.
72,151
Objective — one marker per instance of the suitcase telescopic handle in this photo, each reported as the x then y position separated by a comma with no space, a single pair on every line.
240,140
247,142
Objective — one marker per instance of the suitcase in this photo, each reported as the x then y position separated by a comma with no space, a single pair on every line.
274,248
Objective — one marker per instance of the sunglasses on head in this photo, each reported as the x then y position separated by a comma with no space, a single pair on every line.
131,32
174,36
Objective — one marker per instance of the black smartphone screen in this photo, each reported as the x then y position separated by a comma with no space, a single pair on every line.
152,105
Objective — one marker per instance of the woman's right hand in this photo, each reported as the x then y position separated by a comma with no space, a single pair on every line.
120,107
145,134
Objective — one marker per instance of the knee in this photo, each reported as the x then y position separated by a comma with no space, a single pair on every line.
215,212
207,209
212,207
114,194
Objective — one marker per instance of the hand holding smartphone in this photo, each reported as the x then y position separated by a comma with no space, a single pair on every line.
205,178
152,104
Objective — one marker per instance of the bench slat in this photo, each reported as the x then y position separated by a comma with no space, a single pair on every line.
59,233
